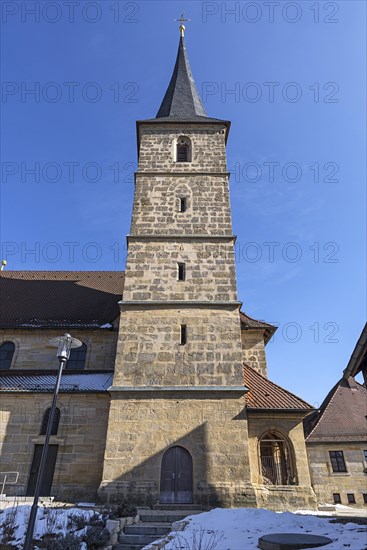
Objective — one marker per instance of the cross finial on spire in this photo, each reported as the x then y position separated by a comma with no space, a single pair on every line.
182,20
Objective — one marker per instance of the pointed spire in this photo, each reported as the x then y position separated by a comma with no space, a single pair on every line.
182,100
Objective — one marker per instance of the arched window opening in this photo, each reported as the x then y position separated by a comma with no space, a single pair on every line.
7,350
183,150
55,422
77,358
276,460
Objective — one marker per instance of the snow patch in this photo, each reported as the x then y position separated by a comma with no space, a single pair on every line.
240,529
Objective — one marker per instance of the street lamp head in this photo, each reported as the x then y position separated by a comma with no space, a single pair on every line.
64,345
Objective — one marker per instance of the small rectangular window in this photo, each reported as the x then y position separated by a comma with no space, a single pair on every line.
183,335
337,499
183,204
365,498
337,461
365,455
351,498
181,272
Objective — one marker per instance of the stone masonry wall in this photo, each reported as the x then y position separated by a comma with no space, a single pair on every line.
33,351
81,439
152,271
213,430
326,482
149,350
253,347
156,204
158,143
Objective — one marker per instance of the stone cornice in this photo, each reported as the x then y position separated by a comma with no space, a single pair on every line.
178,303
181,237
181,174
230,391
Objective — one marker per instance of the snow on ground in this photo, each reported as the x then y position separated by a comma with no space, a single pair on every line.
240,529
49,520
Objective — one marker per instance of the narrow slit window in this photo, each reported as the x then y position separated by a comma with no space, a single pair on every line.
181,271
183,204
183,336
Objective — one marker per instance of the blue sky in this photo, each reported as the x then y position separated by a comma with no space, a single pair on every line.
290,77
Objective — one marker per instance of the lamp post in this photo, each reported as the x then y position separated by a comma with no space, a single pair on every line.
65,344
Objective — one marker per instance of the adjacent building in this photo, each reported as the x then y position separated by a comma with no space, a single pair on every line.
336,437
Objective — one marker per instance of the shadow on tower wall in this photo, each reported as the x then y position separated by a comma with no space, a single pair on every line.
141,483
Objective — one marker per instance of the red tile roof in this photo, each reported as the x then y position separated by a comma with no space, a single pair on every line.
85,299
342,415
264,394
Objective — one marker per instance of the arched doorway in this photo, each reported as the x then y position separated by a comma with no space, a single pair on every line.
276,460
176,477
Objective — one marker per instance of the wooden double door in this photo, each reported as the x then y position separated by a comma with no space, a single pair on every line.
176,477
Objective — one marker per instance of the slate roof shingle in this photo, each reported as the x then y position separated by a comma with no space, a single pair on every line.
182,99
71,382
248,323
342,415
264,394
57,299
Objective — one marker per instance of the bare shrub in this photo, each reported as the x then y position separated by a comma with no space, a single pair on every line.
202,539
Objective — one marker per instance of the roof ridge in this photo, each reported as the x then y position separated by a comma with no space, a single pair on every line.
277,385
325,405
256,320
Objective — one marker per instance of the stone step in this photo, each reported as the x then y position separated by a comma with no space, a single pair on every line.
165,518
148,528
326,508
143,540
128,547
181,507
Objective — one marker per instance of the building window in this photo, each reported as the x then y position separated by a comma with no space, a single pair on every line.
182,207
77,358
55,423
181,271
365,498
183,337
351,498
337,499
275,459
365,455
183,150
6,354
337,461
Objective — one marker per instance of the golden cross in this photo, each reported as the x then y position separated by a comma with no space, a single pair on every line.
182,20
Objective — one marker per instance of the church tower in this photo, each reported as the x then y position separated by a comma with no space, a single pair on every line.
177,428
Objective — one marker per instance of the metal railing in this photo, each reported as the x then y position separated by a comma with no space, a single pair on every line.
274,472
6,482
